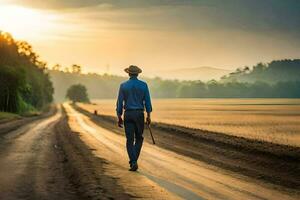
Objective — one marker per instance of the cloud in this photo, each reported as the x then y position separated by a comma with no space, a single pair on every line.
54,4
261,16
87,3
257,15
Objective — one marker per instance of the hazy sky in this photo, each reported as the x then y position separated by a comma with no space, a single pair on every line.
156,34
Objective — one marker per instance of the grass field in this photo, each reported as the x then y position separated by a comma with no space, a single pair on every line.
273,120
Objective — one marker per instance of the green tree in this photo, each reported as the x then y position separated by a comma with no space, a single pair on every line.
78,93
12,84
24,82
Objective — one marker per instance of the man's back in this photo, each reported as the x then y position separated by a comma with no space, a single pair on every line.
134,94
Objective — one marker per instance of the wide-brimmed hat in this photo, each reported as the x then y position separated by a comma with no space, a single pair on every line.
132,69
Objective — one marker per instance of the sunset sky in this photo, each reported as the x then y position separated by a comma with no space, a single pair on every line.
156,34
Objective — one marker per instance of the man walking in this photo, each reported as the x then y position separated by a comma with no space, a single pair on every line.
134,97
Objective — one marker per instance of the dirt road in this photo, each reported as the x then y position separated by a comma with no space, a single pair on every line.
27,170
42,159
71,157
165,174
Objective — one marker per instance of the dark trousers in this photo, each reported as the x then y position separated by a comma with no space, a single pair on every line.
134,128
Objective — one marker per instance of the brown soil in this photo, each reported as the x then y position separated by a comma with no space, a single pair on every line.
83,169
45,160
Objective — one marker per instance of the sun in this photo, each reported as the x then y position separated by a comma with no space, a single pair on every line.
24,23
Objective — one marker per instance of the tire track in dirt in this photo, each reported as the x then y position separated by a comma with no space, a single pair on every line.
45,160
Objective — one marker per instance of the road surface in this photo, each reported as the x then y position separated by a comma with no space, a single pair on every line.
73,158
27,163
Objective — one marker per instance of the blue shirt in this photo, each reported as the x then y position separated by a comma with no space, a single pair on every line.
133,94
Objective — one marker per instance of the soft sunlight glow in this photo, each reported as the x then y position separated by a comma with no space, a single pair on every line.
24,22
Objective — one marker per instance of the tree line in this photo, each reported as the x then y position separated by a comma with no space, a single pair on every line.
24,82
273,72
215,89
232,86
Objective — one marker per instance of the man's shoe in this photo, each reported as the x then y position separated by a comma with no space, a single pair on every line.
133,167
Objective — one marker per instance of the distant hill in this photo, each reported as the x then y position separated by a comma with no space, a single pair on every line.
273,72
197,73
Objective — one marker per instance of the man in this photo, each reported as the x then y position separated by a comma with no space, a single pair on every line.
134,97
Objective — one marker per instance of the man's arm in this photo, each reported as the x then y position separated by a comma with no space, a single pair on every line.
119,108
148,105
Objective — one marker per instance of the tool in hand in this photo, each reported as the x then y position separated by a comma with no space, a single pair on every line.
151,133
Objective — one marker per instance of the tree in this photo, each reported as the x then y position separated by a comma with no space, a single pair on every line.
78,93
24,82
76,69
56,67
12,83
273,72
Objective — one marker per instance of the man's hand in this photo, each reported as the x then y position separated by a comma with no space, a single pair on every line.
120,121
148,119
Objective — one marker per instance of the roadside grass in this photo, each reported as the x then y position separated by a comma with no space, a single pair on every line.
28,111
8,116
